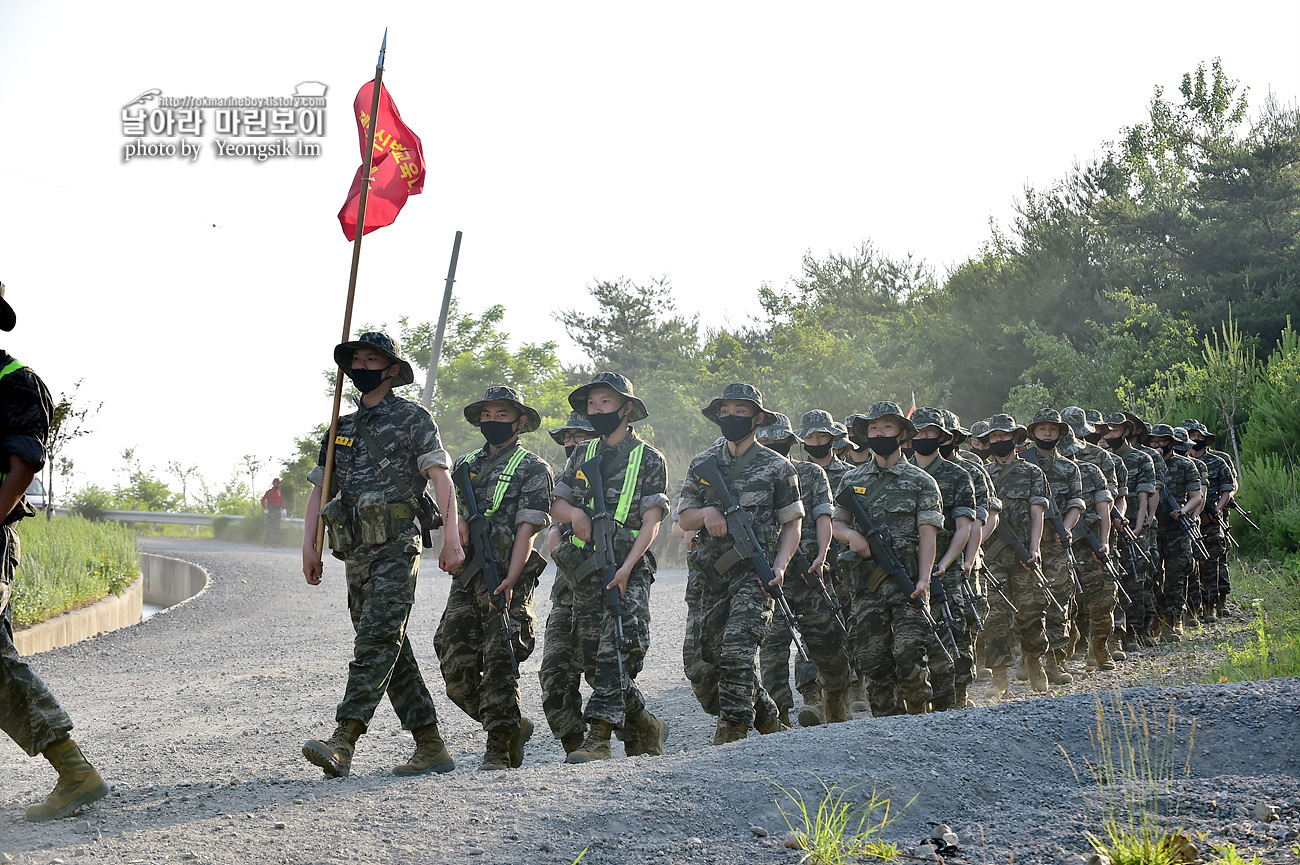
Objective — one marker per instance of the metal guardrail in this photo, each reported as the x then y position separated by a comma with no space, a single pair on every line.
170,518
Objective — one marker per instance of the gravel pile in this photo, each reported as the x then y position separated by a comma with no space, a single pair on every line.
196,717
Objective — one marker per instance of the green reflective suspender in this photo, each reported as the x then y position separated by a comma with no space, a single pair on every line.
503,482
629,487
9,367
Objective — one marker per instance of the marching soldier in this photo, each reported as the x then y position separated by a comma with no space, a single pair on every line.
479,659
1183,485
385,452
1097,601
736,608
635,479
827,672
903,501
1137,510
1222,486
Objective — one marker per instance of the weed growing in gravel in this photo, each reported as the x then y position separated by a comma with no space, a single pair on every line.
1274,646
1135,763
69,561
1228,855
840,829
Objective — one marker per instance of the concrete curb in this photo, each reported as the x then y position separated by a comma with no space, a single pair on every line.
163,581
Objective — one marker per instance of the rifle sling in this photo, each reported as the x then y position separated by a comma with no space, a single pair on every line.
377,454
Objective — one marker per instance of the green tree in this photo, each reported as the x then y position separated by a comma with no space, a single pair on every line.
67,424
631,327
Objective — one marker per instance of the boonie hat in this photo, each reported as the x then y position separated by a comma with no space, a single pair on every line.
979,428
819,420
1049,415
620,384
380,342
1005,423
1192,424
884,408
777,429
927,416
576,421
959,432
1162,429
738,391
503,393
1077,418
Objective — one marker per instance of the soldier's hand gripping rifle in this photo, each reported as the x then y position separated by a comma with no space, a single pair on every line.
480,556
970,596
1104,558
740,525
1008,536
1066,540
882,553
602,561
940,599
1184,525
1245,514
1133,545
1218,519
812,578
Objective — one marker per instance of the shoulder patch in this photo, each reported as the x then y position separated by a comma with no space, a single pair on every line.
344,440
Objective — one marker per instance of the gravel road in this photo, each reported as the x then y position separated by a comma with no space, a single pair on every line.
196,717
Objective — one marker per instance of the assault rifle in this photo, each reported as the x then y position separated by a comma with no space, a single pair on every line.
970,596
882,553
1184,525
940,598
1245,514
1063,535
740,525
1104,558
812,578
1133,545
998,586
1008,536
1212,513
602,561
480,554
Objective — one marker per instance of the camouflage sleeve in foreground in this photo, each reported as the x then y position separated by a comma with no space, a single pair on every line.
27,410
1182,478
787,504
911,499
1221,479
815,490
1095,489
1141,471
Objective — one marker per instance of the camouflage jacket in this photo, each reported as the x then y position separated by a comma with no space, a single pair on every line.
1095,490
1141,474
1062,479
1227,461
767,486
1221,477
835,470
651,481
1203,472
985,500
416,448
910,499
956,496
1183,478
1159,465
815,492
1104,462
525,499
1121,474
25,410
1019,485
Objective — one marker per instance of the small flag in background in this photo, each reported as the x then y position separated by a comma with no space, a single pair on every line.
396,170
910,411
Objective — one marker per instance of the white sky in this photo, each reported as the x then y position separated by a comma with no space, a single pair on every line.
712,142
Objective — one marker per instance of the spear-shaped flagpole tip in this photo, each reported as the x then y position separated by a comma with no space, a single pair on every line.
382,49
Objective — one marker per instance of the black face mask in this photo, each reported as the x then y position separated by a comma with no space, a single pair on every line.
1165,451
1046,445
859,441
883,445
1115,442
736,427
1199,446
1002,448
817,452
925,447
605,423
946,451
1095,438
568,450
783,448
366,380
497,432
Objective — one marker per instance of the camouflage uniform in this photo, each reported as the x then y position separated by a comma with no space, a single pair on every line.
469,643
894,639
735,612
1097,603
817,626
1141,479
1214,572
29,712
613,701
1175,546
1019,485
381,576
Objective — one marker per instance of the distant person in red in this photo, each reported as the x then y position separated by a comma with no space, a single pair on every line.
273,507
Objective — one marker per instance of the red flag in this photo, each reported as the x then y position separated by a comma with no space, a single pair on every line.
911,411
396,170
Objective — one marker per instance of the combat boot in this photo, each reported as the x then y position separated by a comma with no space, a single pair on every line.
998,683
1208,615
1116,648
813,711
771,725
857,698
595,746
573,741
1173,629
651,733
1099,654
334,755
1022,670
1037,674
518,740
837,709
784,717
963,700
730,731
431,754
1222,610
631,741
1055,668
79,783
496,757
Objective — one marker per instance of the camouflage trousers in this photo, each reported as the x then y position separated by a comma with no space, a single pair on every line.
822,636
1003,628
957,631
733,618
381,590
561,671
1136,577
1154,581
1179,570
1057,621
613,700
472,648
893,646
1096,606
1212,586
29,712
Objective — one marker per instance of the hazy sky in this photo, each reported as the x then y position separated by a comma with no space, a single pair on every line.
712,142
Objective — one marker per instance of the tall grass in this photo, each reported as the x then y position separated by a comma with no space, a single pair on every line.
1270,590
1136,759
839,830
69,561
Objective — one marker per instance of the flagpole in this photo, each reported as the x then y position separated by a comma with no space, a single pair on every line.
366,162
431,377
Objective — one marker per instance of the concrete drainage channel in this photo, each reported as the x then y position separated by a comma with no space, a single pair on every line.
164,582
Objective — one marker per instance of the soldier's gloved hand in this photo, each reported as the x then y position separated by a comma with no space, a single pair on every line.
715,522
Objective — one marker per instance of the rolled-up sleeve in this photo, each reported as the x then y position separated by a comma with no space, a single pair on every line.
433,459
792,511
